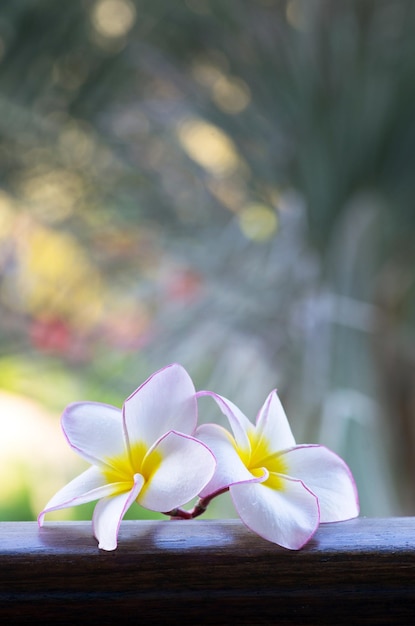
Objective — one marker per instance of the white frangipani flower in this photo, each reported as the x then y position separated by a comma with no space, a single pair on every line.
281,491
144,453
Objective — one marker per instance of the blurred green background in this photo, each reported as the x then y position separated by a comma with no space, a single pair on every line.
225,184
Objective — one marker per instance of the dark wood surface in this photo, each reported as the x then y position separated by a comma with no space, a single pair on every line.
207,572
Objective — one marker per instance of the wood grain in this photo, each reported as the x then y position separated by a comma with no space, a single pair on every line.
207,572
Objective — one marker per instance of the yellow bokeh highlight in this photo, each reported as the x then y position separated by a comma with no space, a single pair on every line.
6,216
113,18
230,94
209,146
56,278
258,222
295,14
206,73
76,145
52,194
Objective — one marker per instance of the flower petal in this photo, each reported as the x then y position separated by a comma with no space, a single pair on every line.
272,424
186,466
109,512
288,517
165,401
328,476
229,466
94,430
88,486
240,424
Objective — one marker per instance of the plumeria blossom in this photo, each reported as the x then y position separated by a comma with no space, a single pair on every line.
144,453
281,491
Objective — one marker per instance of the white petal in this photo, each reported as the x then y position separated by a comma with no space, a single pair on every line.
88,486
229,468
272,424
94,430
109,512
288,517
328,476
186,466
166,401
240,424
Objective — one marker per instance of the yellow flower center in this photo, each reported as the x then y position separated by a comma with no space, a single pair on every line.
260,456
122,468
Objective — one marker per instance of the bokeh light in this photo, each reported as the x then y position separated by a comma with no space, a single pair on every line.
113,18
258,222
228,185
209,146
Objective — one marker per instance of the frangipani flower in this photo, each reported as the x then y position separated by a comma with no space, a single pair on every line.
144,453
281,491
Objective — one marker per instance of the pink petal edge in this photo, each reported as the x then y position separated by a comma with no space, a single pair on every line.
100,510
94,459
272,423
85,487
343,465
239,423
297,546
228,462
204,455
184,417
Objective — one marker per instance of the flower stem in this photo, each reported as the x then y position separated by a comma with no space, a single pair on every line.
199,508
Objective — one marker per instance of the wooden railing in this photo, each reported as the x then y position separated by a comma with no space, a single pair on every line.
207,572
